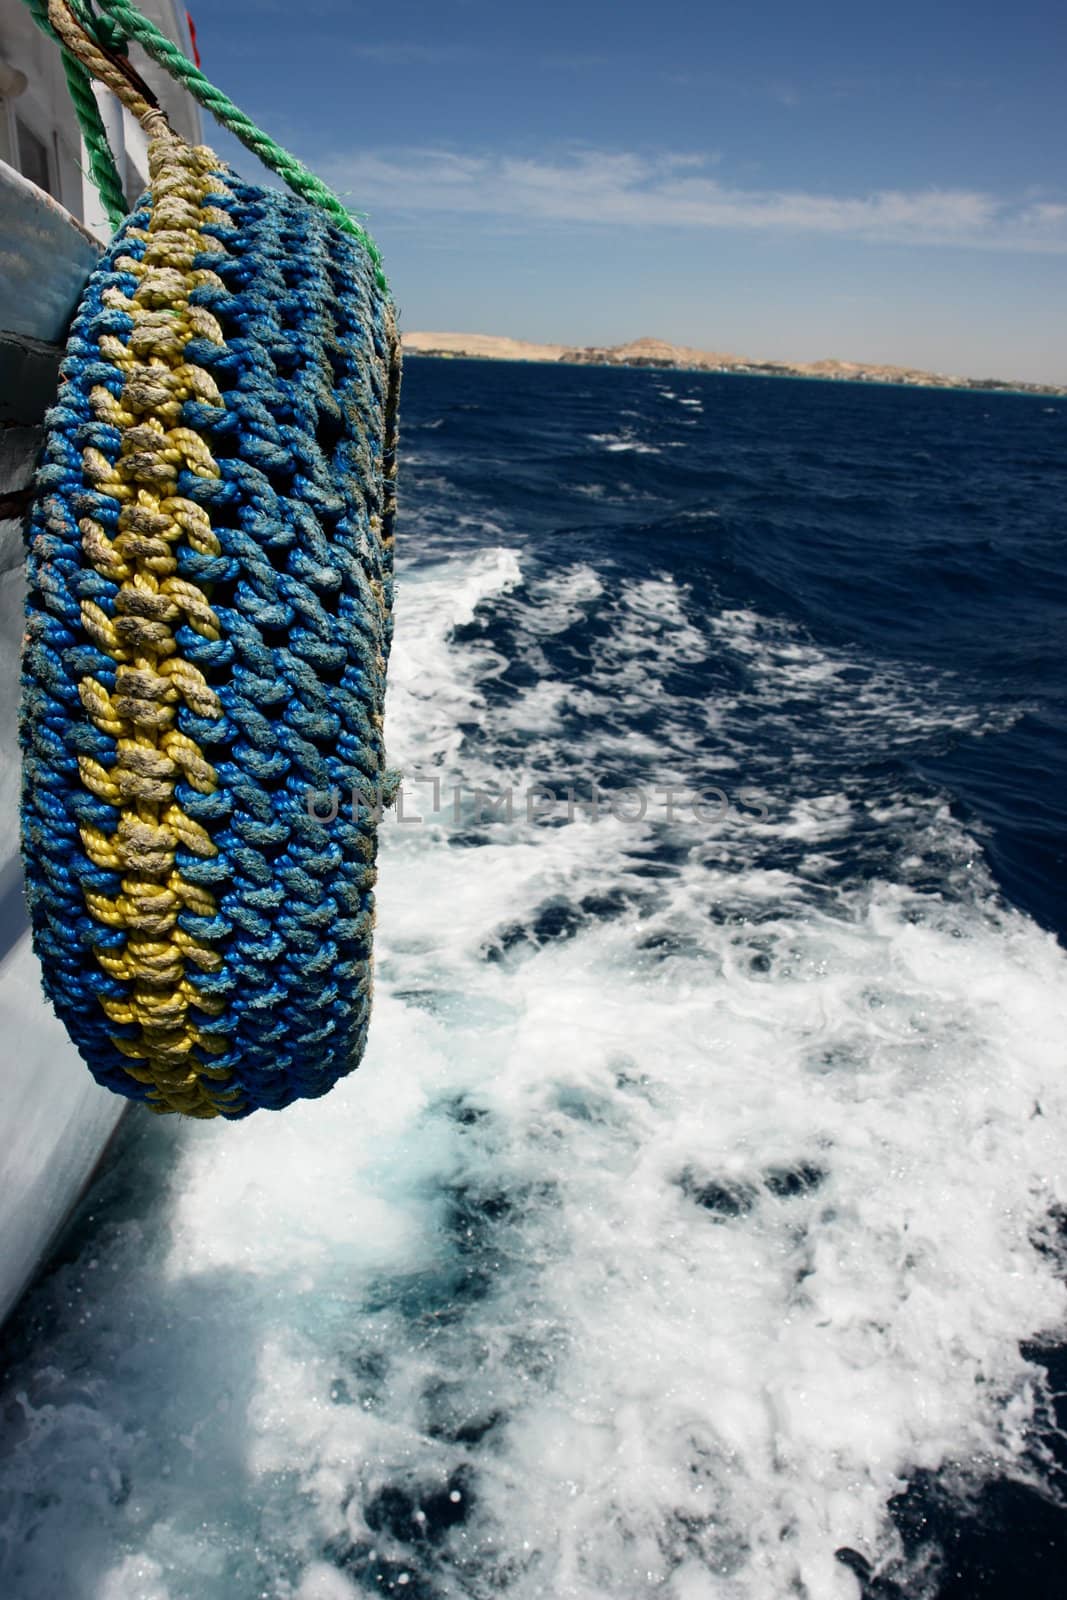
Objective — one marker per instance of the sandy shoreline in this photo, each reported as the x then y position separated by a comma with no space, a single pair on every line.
659,353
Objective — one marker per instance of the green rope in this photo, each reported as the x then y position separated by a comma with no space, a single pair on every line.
120,22
134,25
102,166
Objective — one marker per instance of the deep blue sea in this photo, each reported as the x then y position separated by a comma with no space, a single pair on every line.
696,1227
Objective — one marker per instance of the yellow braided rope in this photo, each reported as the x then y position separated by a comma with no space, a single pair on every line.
70,31
169,1050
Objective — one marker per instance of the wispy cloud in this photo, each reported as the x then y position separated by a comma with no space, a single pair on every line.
678,191
816,90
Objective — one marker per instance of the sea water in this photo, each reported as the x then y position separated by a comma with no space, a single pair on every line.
693,1227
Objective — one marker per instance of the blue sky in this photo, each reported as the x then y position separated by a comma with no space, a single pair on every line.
854,180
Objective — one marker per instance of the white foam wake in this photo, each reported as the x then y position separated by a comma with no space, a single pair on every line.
679,1211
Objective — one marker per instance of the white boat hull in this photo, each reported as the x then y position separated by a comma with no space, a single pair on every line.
54,1120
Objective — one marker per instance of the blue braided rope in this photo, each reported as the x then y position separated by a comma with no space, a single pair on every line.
301,585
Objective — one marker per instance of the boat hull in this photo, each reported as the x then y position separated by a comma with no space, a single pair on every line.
54,1120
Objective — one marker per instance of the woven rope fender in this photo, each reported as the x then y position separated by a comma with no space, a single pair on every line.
208,625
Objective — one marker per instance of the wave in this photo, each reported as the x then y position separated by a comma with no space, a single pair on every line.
684,1203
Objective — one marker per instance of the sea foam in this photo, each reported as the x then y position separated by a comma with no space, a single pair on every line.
685,1202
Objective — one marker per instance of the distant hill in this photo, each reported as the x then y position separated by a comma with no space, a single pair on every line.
649,352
